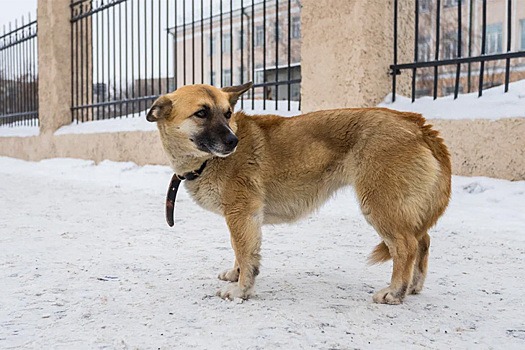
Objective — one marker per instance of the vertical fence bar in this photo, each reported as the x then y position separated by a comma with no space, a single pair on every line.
394,70
222,43
184,43
159,52
175,48
132,15
126,81
231,42
276,54
509,43
483,47
202,42
264,57
211,44
114,61
289,75
470,21
146,53
72,72
167,47
438,23
253,53
139,87
416,49
241,41
458,66
193,41
152,51
109,62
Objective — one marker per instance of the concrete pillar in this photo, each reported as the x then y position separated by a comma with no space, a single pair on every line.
347,48
54,64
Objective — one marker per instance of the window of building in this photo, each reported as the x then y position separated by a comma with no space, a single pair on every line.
226,77
226,43
494,38
449,90
296,27
522,47
424,5
259,36
424,49
212,46
450,3
259,77
276,33
450,45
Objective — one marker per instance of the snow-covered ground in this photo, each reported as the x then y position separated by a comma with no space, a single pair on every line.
88,262
494,104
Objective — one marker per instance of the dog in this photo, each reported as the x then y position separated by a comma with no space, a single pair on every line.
257,170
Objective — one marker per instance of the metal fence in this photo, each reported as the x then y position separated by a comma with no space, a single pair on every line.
462,46
126,53
18,74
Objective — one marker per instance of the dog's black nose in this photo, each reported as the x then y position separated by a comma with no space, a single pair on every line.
231,141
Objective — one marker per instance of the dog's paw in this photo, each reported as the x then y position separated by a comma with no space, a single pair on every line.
387,296
233,291
231,275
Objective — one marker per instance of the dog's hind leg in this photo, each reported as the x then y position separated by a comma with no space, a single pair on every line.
421,265
403,249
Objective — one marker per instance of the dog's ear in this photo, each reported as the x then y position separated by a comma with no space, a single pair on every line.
160,109
236,91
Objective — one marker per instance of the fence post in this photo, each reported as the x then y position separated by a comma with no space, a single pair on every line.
54,64
347,48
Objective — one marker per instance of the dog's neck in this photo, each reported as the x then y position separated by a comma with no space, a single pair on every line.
182,165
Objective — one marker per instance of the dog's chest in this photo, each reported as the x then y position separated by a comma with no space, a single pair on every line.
205,194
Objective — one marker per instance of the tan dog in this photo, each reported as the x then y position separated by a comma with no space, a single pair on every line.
269,169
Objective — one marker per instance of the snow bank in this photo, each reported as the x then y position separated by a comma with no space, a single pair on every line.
19,131
494,104
87,261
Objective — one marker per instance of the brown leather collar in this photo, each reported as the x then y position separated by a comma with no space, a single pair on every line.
174,186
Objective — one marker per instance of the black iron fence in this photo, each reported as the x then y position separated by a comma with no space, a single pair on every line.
462,46
126,53
18,74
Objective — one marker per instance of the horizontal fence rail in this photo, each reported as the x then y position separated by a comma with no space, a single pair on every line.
125,53
470,50
18,74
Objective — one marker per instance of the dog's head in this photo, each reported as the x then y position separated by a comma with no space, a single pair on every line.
197,119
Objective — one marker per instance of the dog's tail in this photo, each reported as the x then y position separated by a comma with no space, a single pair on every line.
380,254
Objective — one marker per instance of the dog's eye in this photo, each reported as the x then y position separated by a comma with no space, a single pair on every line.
228,114
201,113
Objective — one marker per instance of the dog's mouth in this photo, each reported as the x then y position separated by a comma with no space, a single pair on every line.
214,149
221,145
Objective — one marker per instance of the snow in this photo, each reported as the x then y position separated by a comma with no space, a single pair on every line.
19,131
494,104
88,262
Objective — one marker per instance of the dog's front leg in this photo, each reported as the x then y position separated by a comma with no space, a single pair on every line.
245,231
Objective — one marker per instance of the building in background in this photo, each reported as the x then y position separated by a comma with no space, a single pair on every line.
260,42
470,45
